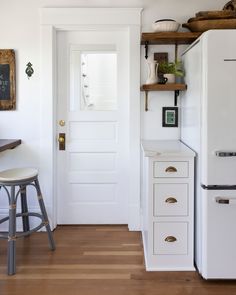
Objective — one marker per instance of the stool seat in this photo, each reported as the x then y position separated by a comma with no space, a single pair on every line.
18,174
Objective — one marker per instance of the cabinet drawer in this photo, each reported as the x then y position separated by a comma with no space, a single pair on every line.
170,199
170,169
170,238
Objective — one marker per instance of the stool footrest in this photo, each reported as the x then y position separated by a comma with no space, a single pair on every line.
22,234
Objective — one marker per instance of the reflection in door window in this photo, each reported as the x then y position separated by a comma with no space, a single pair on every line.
98,81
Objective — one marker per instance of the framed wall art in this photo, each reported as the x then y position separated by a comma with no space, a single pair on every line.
7,80
169,117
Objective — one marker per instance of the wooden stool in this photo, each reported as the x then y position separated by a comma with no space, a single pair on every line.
9,180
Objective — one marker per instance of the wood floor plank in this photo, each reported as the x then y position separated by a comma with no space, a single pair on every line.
66,276
83,266
113,253
95,260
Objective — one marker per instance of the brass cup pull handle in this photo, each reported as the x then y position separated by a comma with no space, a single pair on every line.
61,139
171,200
170,239
171,169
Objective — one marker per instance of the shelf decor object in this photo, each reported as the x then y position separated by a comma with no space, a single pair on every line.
216,19
152,72
230,6
165,25
7,80
205,25
169,117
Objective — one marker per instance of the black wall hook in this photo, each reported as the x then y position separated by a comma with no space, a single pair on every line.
29,70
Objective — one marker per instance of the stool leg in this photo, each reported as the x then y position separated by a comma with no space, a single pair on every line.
11,247
45,216
24,209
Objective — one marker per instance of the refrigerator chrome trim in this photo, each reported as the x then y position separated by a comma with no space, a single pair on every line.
190,46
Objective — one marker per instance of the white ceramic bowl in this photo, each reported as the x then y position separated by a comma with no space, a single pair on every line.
165,26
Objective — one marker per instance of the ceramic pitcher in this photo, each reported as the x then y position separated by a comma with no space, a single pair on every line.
152,72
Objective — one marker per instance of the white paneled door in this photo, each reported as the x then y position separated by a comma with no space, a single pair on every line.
93,113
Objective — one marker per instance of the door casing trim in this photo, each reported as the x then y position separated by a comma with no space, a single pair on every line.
68,19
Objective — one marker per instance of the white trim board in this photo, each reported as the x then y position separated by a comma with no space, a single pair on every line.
52,20
90,16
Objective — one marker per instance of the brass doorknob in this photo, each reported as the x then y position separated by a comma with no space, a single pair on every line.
61,139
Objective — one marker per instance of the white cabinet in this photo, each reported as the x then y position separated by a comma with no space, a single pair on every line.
167,205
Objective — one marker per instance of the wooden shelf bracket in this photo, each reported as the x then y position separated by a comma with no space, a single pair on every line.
176,97
176,87
146,101
146,49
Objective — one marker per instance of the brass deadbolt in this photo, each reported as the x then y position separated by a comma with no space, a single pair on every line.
62,123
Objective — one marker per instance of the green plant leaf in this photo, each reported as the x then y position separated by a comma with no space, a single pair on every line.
171,68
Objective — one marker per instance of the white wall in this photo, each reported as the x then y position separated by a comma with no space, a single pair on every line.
20,30
181,11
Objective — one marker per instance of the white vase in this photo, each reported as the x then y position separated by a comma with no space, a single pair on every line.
170,77
152,72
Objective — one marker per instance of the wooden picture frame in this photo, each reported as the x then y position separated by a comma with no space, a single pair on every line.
160,57
170,117
7,80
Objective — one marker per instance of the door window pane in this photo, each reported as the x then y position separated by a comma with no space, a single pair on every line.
98,81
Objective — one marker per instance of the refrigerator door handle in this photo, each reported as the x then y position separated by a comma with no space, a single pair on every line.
225,200
225,153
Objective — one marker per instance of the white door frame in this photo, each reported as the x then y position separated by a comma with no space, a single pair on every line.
67,19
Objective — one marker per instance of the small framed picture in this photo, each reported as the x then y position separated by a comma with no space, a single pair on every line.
169,117
7,80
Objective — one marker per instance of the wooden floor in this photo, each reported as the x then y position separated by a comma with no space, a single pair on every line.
95,260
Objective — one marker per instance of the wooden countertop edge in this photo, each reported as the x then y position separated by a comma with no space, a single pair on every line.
6,144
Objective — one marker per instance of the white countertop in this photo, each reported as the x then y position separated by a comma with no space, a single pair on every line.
164,148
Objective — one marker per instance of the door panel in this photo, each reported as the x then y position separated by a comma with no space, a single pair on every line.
218,234
92,161
219,105
93,192
92,171
93,130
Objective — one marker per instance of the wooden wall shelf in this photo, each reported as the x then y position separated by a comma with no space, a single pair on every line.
164,87
169,37
176,87
174,38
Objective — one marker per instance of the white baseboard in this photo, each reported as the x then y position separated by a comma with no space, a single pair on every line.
134,217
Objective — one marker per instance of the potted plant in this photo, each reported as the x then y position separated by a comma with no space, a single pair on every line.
171,70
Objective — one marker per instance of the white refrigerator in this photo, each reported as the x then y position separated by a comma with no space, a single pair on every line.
208,126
